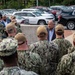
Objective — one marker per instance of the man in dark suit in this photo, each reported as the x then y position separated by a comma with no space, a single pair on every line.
5,20
0,16
51,30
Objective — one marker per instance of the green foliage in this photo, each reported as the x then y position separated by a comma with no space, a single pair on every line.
31,3
1,7
68,2
18,4
12,4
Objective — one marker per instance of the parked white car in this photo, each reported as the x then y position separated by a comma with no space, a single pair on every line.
29,9
43,13
34,17
19,19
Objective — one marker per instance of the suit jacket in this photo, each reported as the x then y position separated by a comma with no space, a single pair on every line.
7,20
54,35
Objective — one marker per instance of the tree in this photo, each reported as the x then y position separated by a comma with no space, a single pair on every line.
68,2
18,4
30,3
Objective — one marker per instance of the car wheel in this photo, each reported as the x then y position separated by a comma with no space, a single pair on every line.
42,22
71,25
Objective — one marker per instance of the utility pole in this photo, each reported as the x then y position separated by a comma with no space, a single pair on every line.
4,2
24,2
36,2
49,3
53,1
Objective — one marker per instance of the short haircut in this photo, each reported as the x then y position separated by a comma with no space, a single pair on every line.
42,34
59,32
9,59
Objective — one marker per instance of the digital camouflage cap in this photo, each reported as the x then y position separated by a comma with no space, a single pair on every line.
8,46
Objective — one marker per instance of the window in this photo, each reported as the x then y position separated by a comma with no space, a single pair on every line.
30,15
73,12
21,14
37,13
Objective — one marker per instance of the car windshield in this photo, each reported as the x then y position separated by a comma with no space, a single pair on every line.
42,12
65,8
37,13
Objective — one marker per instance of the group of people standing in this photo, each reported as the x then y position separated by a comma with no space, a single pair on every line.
51,55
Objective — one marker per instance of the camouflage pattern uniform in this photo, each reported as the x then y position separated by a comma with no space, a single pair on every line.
2,31
67,65
18,28
71,49
12,26
17,25
1,64
30,62
2,35
48,53
8,47
15,71
63,46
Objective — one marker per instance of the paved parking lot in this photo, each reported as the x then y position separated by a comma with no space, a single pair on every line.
69,34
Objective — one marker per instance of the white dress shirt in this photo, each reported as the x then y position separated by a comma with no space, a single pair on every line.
51,34
5,22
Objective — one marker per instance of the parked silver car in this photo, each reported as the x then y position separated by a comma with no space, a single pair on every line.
43,13
34,17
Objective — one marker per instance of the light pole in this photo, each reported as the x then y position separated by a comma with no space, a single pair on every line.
49,3
36,2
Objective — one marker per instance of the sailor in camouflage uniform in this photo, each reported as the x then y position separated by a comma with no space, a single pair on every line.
62,43
2,36
1,30
11,30
1,61
28,60
71,49
67,63
8,54
17,25
3,33
48,51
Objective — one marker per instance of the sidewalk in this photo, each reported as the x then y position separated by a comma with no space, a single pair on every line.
70,38
69,34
